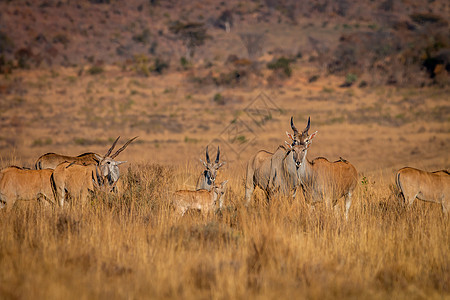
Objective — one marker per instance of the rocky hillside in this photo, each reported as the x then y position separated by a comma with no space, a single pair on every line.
369,42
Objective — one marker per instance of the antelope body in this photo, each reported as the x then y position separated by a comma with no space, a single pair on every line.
208,177
20,184
426,186
78,179
258,174
324,181
283,173
203,200
51,160
275,172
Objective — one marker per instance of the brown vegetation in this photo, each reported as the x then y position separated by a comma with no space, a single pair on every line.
133,246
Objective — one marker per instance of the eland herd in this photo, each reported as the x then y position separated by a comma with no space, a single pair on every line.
56,178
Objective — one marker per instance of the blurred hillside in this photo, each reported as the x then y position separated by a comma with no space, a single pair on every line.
232,42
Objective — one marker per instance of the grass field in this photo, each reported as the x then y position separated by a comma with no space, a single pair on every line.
133,245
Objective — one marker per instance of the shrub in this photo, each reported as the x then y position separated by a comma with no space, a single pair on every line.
192,34
6,66
6,44
351,78
422,18
141,62
184,63
62,39
95,70
143,37
159,66
219,99
283,64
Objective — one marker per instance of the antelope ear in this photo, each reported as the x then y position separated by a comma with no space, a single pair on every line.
221,164
287,144
289,135
203,163
311,136
120,162
224,183
98,157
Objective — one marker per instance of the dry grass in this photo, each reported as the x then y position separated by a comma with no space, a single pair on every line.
132,246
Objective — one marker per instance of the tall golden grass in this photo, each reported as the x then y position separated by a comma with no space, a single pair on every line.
132,245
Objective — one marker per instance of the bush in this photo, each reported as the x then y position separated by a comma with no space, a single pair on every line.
95,70
23,57
6,44
422,18
6,66
230,78
283,64
351,78
184,63
143,37
219,99
192,34
159,66
62,39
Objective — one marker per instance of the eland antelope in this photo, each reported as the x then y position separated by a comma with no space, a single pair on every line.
78,179
51,160
325,181
283,174
207,178
203,200
275,172
426,186
21,184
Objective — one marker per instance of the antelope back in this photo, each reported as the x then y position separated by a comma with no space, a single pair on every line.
201,199
51,160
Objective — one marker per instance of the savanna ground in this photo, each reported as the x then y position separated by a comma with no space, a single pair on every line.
132,245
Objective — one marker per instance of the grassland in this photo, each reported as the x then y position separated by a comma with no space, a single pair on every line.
132,245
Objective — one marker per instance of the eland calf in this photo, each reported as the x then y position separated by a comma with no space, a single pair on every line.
426,186
203,200
208,177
